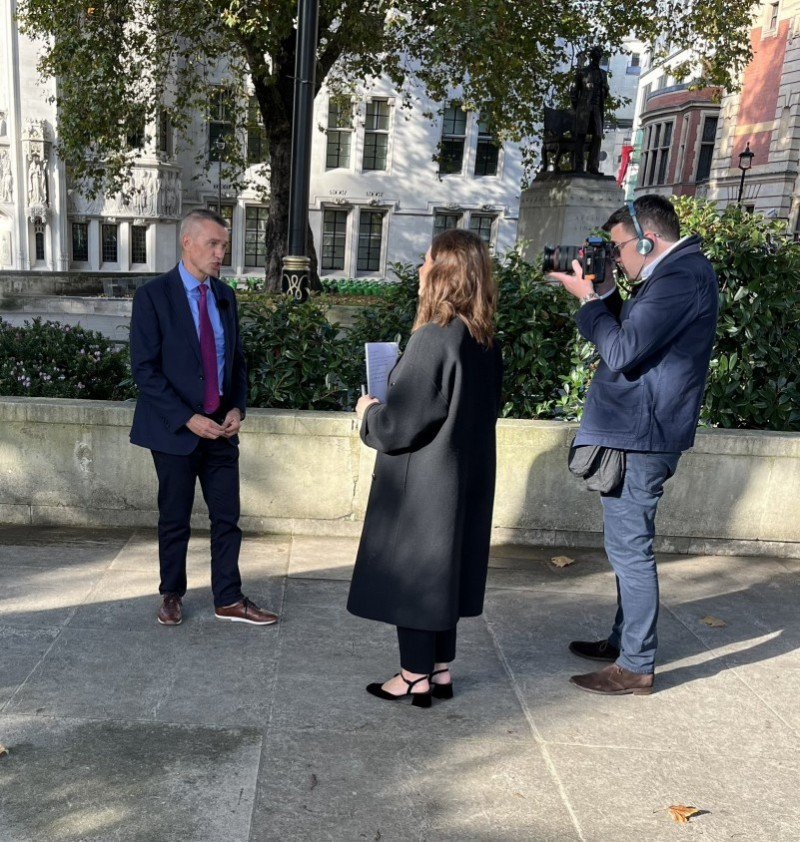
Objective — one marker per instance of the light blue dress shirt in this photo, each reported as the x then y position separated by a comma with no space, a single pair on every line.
191,285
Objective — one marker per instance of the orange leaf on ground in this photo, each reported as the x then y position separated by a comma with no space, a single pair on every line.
714,622
562,560
3,750
680,813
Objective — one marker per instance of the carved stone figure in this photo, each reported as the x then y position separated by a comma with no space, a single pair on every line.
589,94
37,181
6,178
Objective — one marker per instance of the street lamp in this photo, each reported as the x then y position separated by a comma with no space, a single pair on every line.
745,162
297,263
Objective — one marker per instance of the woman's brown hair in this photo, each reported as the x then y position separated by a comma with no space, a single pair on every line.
460,283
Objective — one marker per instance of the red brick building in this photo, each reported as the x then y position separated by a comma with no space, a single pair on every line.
689,142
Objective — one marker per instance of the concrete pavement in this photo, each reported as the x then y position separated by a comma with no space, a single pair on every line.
120,729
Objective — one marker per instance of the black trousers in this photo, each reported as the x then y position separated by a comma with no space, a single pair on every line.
215,462
420,650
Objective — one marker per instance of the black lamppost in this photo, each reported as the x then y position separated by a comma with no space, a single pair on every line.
745,162
297,263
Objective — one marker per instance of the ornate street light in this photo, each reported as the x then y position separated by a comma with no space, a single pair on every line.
745,162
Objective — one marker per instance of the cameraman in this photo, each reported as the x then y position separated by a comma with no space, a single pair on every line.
644,399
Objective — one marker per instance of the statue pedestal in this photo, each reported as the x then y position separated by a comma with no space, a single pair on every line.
564,208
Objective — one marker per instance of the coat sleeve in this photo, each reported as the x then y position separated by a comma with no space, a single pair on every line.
146,367
652,322
415,407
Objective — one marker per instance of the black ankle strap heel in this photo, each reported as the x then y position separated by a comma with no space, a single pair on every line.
441,691
418,700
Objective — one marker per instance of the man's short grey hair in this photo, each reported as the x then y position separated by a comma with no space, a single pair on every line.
200,215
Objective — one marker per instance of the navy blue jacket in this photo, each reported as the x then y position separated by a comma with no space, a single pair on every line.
166,363
654,348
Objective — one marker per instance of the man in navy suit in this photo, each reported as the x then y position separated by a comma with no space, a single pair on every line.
188,363
645,400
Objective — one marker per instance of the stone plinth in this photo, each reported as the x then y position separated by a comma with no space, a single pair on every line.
564,208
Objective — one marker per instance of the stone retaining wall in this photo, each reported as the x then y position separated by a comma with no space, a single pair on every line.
70,463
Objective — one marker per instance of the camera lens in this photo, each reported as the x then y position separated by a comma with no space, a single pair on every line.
559,258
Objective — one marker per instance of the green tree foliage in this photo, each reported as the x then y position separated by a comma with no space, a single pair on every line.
119,63
753,381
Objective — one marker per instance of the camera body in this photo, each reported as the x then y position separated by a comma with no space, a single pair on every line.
592,255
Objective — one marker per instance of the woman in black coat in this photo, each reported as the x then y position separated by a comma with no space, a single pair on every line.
424,549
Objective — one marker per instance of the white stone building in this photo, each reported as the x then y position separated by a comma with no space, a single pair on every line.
378,194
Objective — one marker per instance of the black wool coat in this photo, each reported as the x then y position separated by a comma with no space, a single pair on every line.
424,548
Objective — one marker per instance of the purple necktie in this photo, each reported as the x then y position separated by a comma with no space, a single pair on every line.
208,354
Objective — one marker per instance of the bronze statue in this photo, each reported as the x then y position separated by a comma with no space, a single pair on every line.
589,94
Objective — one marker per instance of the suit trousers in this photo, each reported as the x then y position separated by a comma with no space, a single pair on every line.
629,518
215,462
420,650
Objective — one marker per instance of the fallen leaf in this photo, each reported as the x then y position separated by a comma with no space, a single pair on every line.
714,622
562,560
681,814
3,750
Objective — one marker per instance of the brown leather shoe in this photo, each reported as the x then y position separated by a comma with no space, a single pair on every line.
615,680
170,613
246,611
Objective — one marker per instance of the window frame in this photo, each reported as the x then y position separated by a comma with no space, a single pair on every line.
365,251
257,140
104,227
85,227
334,242
220,115
375,133
450,139
260,246
339,137
138,231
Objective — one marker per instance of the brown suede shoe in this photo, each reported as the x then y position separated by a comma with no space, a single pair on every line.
170,613
615,680
246,612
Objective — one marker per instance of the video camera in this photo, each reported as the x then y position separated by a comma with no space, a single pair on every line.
592,255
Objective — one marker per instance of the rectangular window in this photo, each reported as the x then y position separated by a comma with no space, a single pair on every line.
487,153
138,244
226,212
482,226
220,123
165,133
445,221
255,236
80,242
773,15
39,236
634,65
340,130
454,133
376,134
334,239
370,236
108,244
655,154
706,149
257,143
136,133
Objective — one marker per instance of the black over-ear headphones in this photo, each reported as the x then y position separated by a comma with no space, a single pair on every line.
644,245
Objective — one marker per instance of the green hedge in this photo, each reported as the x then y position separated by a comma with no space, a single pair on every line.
51,360
298,360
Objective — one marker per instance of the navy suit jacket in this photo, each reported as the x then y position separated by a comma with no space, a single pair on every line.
648,388
166,363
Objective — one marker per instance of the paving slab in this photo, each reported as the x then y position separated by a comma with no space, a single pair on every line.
121,729
82,780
